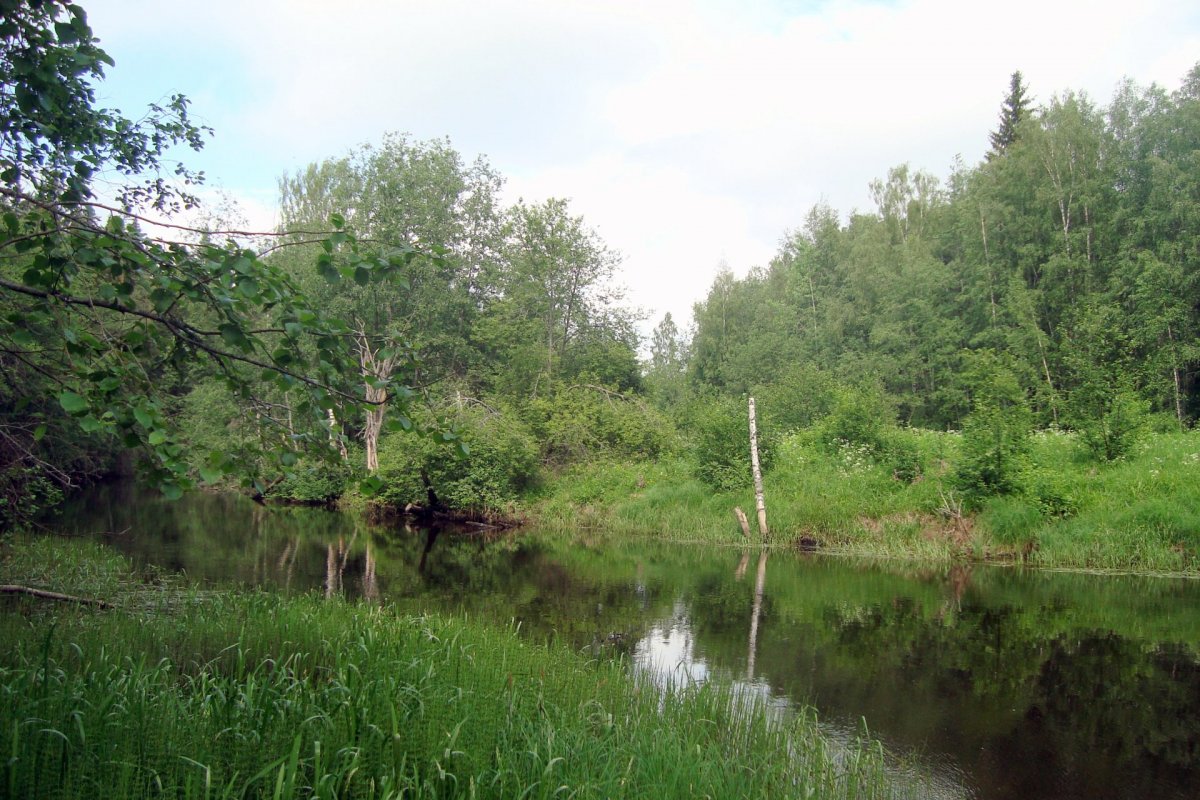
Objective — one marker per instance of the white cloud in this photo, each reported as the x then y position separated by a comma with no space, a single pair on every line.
686,132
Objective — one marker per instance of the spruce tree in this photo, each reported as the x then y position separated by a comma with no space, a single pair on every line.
1014,109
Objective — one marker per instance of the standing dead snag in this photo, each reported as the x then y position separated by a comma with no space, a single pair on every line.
759,500
378,364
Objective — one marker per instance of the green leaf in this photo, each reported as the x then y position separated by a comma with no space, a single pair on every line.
144,418
211,474
72,403
370,486
337,221
234,336
39,432
157,437
288,459
171,490
90,424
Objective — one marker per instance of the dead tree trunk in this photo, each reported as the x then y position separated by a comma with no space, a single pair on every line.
741,518
759,500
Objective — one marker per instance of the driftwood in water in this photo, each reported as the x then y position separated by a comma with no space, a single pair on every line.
759,500
741,518
47,595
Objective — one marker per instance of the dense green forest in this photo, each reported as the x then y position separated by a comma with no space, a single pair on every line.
408,338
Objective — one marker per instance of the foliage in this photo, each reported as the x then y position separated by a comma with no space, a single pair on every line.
996,433
109,315
501,463
721,446
313,482
589,420
1012,113
1116,424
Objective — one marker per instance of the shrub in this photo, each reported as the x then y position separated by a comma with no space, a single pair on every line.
1110,424
502,463
314,483
585,421
860,416
799,398
995,436
721,447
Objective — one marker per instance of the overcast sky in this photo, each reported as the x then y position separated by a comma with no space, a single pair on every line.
689,134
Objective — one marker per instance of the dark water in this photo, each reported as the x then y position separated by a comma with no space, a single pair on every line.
991,682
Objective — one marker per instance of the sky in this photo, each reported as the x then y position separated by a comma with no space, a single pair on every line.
690,135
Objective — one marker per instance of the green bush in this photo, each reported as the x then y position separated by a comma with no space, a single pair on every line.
315,483
501,463
797,399
862,420
901,454
995,437
860,416
1053,492
1110,424
721,446
585,421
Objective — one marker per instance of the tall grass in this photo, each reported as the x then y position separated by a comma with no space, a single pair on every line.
257,695
1139,514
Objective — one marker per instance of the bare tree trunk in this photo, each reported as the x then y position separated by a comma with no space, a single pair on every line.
741,518
374,371
1175,375
755,614
44,594
335,435
759,500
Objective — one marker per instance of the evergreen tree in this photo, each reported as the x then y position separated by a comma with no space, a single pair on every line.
1014,109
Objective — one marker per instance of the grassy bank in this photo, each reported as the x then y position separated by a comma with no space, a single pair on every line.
178,694
1137,514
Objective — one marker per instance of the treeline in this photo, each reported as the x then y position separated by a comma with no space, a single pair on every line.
506,327
1070,258
407,334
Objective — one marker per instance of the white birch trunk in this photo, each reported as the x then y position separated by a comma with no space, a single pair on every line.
759,500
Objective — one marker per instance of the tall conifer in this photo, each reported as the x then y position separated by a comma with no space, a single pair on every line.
1014,109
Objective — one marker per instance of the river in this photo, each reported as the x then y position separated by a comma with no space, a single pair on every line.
986,682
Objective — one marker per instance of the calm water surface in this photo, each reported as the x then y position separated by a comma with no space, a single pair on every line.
990,682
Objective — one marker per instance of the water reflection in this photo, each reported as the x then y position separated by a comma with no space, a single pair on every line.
1003,683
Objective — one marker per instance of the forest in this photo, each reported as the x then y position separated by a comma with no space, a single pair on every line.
1001,342
1001,367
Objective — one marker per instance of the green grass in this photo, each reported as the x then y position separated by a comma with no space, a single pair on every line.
258,695
1140,514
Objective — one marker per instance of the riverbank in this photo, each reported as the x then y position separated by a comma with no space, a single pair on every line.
1135,515
235,694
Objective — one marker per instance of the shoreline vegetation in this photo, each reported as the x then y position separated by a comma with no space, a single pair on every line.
174,692
1135,515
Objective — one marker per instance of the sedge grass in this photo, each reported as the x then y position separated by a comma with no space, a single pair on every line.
1135,515
259,695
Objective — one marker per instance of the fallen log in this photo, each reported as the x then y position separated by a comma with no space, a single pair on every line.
43,594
